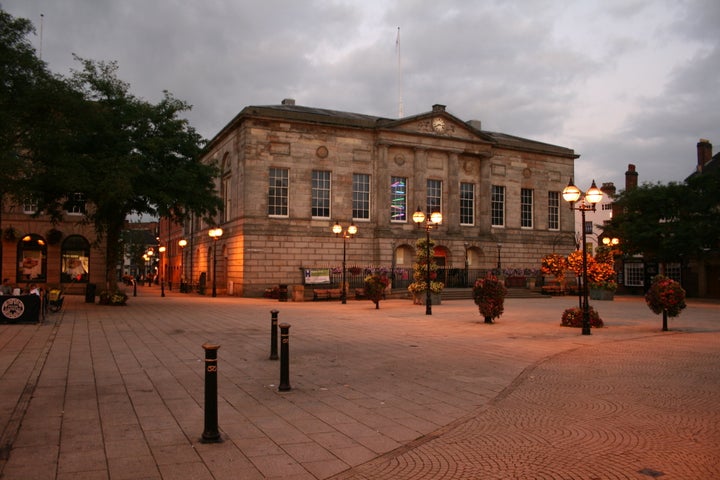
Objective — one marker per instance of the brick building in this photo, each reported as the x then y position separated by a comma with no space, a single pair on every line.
36,251
288,173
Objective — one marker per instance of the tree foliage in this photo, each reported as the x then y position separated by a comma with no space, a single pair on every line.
668,222
88,135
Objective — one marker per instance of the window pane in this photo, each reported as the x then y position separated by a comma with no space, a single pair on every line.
398,199
434,196
554,210
634,274
497,206
75,259
361,196
278,192
321,193
467,204
526,208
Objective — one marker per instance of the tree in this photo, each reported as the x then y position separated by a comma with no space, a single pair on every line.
126,156
27,91
668,222
87,137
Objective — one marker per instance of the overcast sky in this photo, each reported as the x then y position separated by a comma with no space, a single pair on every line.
618,81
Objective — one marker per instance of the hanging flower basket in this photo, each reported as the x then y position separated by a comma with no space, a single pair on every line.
11,234
375,286
489,295
573,317
665,296
53,236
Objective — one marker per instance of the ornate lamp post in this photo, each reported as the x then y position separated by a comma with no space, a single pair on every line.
215,233
430,223
182,244
351,230
162,271
607,241
593,196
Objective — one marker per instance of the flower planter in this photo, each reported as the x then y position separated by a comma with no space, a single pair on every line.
600,294
419,298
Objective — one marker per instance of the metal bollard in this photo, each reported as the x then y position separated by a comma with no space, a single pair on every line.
273,334
211,433
284,357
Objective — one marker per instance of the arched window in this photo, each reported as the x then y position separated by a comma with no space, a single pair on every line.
32,259
75,259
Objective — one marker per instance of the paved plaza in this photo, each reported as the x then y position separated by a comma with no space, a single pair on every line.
98,392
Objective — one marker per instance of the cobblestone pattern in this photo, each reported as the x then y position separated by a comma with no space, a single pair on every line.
574,416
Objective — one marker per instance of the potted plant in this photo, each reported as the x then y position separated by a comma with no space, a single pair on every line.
375,286
489,295
665,296
603,290
419,286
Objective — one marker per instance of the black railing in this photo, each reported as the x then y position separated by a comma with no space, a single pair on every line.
402,277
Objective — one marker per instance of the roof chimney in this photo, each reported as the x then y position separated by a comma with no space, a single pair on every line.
608,188
437,108
704,154
631,178
288,101
476,124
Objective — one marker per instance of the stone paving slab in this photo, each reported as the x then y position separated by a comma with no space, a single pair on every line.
118,392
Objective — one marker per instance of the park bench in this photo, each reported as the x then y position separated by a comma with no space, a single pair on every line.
326,293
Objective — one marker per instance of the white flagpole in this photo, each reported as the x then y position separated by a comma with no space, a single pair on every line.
399,75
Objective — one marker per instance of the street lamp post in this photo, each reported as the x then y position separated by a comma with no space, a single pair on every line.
430,223
499,264
593,196
351,230
182,244
467,264
162,271
215,233
150,254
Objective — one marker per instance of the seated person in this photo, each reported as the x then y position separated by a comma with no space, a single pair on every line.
6,288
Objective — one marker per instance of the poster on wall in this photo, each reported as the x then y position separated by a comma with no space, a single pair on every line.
31,265
75,267
317,275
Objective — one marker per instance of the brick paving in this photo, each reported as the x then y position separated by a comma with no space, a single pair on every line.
118,392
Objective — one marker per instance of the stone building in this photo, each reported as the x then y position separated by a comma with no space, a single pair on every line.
288,173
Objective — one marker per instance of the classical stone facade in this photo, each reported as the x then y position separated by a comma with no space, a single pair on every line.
289,172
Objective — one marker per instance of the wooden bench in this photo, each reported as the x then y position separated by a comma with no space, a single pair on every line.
326,293
553,288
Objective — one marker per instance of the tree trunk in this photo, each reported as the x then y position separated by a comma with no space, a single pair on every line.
113,234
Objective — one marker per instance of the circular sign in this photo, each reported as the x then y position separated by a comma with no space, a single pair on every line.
13,308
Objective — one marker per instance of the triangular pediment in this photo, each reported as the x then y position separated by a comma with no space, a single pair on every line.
437,123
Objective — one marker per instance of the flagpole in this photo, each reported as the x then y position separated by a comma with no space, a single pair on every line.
399,75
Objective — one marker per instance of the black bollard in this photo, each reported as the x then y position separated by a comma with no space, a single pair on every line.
273,334
284,357
211,433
